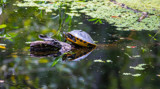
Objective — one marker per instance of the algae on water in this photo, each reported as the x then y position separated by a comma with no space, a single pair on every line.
124,19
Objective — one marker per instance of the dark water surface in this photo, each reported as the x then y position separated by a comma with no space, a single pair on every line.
122,60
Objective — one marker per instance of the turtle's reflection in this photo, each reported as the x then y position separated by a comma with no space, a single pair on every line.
77,54
73,55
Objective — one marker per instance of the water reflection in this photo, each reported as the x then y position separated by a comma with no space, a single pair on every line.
78,54
19,70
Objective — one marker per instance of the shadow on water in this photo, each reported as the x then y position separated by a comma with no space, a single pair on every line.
121,60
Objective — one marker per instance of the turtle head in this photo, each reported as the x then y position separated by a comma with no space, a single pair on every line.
41,36
46,38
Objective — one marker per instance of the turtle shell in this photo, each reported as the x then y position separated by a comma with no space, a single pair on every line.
80,37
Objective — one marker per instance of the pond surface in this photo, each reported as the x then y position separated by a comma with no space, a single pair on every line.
122,59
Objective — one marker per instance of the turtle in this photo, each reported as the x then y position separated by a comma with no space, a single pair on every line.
80,38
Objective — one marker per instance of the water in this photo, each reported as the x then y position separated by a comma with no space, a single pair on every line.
122,60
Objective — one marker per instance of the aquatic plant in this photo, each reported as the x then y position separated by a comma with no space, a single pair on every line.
3,26
3,1
138,67
123,18
150,6
134,75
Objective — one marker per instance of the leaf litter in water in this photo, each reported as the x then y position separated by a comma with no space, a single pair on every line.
131,46
138,67
109,61
3,26
134,56
43,60
134,75
100,60
2,46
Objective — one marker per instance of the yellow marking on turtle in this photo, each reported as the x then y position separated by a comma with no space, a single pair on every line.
80,42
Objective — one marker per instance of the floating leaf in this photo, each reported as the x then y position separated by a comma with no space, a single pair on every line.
109,61
136,75
138,67
126,73
43,60
2,47
99,60
1,81
28,42
3,26
158,75
2,44
131,46
135,56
